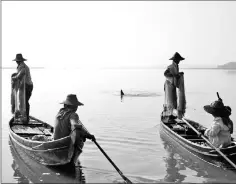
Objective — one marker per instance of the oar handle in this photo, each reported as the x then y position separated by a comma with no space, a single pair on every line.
226,158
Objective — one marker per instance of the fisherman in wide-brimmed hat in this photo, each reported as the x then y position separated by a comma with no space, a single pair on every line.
23,77
67,122
172,75
222,127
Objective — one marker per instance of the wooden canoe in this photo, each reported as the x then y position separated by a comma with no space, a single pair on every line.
181,134
27,170
52,152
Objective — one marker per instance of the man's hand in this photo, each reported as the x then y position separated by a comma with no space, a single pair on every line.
14,78
91,137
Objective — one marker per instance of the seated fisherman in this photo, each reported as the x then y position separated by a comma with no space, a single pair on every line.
228,108
67,122
219,133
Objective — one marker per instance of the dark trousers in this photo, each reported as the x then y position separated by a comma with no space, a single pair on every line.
28,93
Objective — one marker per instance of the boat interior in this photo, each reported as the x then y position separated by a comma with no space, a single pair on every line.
33,129
182,129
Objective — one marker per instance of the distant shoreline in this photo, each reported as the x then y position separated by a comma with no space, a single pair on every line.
229,65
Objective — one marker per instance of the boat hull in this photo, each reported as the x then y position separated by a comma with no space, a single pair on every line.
58,152
195,146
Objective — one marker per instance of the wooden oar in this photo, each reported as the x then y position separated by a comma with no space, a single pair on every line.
117,169
226,158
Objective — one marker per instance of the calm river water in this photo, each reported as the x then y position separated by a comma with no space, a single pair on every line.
127,129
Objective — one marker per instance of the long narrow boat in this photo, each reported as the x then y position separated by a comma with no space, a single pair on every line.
51,152
181,134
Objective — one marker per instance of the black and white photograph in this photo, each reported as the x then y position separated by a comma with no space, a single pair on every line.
118,92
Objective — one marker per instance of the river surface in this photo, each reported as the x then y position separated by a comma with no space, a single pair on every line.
127,129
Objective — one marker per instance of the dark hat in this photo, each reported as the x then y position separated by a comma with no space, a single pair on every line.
71,99
228,109
217,108
177,56
19,57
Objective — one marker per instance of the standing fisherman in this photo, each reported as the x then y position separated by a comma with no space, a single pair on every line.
174,79
22,89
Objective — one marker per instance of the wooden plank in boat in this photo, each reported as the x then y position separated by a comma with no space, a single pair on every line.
33,122
45,131
21,129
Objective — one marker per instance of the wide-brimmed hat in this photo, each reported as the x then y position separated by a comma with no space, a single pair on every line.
19,57
177,56
71,99
217,108
229,110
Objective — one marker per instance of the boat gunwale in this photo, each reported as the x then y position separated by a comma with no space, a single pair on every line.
187,146
66,147
43,163
196,155
38,143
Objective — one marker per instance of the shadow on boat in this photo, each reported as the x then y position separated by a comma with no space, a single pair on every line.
27,170
180,160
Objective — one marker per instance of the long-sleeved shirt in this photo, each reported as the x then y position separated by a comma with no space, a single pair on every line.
23,70
171,72
66,122
219,134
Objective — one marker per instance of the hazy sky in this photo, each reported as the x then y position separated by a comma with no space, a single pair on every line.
118,33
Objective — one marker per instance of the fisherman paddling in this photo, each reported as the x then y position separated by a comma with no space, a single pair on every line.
67,122
174,80
222,126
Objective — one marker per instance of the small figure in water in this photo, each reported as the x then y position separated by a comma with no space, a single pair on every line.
121,93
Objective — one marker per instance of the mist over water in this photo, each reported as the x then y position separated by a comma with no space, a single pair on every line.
127,129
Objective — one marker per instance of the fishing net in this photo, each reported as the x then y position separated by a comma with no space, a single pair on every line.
170,98
175,98
18,103
181,97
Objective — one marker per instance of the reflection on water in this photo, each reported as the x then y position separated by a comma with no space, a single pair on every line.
121,98
180,160
137,94
17,174
233,72
173,166
134,93
126,130
26,170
